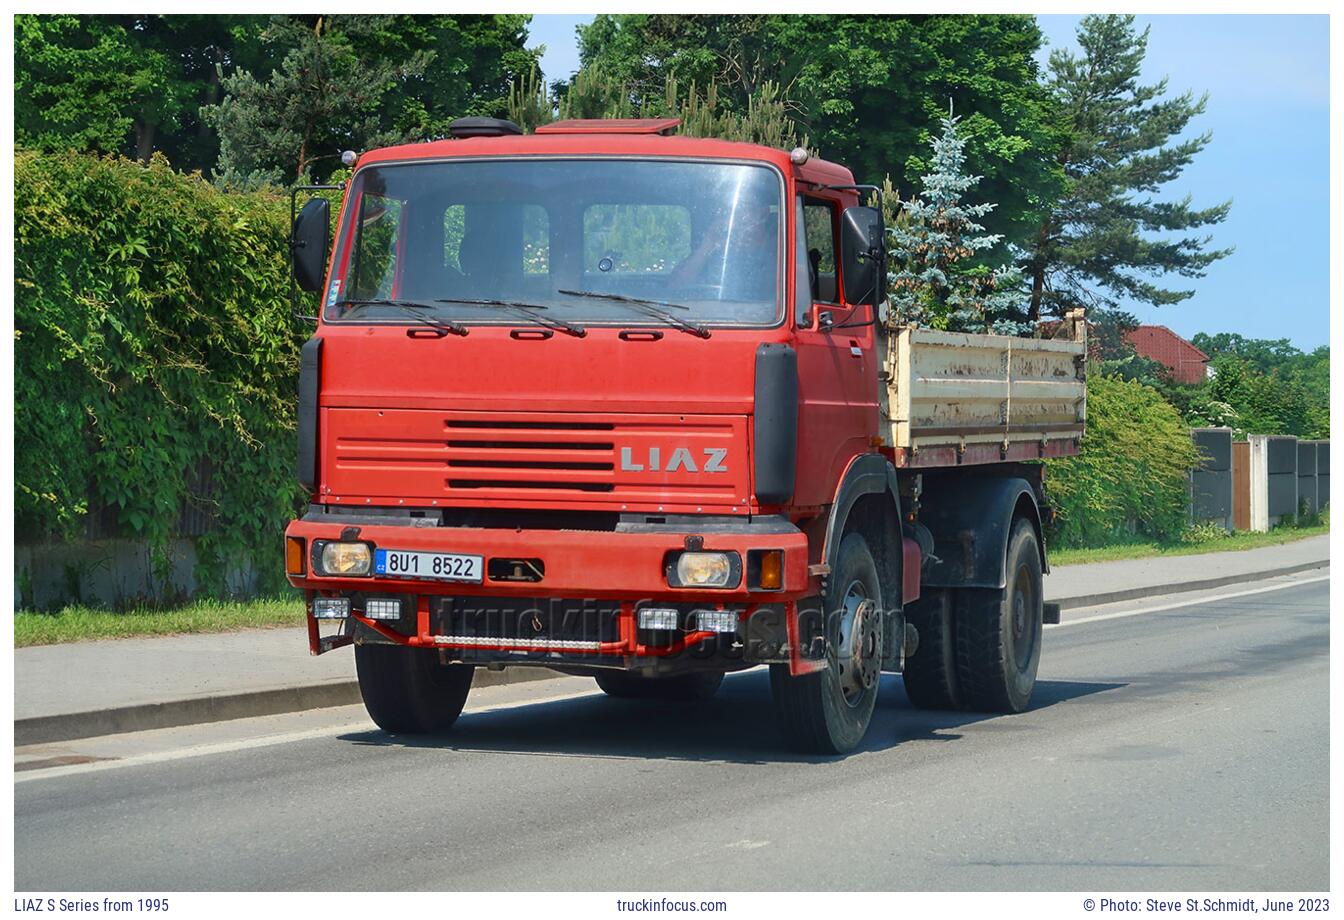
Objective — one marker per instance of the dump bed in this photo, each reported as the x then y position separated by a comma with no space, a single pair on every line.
956,398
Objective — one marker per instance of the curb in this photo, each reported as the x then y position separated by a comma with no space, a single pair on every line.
199,710
1129,594
221,708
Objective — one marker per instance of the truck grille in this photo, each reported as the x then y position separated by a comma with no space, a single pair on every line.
485,451
520,459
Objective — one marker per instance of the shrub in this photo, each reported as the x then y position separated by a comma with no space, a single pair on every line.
1132,474
153,338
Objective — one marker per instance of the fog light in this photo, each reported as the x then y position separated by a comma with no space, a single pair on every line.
383,608
331,608
346,559
658,618
705,570
717,621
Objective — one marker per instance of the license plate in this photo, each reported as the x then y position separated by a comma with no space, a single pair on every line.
395,563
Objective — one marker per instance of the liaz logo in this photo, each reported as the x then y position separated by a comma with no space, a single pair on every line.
680,459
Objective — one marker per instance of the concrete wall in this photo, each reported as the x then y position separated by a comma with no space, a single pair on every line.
1285,474
109,573
1306,477
1273,479
1211,484
1322,473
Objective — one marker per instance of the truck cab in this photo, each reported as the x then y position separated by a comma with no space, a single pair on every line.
606,400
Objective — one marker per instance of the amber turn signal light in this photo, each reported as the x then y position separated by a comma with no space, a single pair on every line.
296,562
766,568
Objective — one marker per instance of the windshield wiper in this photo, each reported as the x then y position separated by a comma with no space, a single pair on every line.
649,308
412,309
523,309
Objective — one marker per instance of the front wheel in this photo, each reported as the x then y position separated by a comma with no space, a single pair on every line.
828,712
998,632
682,687
407,690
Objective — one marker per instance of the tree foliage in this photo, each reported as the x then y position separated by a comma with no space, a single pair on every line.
138,84
935,280
1271,386
327,95
1255,386
1100,242
1132,474
153,340
126,84
867,91
593,92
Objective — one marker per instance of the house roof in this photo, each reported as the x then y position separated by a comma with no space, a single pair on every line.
1185,362
1161,344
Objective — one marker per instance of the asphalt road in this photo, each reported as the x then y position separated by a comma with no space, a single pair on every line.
1180,749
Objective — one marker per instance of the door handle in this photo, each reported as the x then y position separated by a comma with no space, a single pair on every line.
854,348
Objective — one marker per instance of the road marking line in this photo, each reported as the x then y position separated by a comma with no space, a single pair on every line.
225,747
1121,614
246,744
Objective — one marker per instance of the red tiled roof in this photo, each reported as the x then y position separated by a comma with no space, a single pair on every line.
1158,343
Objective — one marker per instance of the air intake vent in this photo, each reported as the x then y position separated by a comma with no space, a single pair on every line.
476,126
549,455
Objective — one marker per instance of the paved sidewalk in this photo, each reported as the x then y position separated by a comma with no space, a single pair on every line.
1107,582
87,688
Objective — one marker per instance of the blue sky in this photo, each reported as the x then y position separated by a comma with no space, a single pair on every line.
1268,84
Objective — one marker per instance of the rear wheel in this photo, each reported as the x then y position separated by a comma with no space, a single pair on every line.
930,674
407,690
998,632
828,712
625,685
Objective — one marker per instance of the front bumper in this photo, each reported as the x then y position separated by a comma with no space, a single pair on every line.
617,569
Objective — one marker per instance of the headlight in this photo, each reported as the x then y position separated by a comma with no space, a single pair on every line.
706,570
346,559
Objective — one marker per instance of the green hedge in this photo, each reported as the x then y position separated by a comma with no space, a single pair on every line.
153,334
1132,474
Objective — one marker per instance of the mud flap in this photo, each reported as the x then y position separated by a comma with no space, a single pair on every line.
806,621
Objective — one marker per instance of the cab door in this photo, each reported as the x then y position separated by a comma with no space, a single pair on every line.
837,364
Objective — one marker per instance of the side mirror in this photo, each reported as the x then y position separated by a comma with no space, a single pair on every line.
308,243
862,253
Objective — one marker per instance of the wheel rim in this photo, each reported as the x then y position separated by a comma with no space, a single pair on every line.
1023,622
856,647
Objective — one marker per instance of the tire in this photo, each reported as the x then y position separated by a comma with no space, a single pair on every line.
930,674
407,690
682,687
828,712
998,633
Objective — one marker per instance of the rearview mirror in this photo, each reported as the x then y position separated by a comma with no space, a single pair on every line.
308,243
862,253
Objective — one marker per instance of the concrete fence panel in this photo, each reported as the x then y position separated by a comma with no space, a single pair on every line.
1273,479
1306,477
1211,484
1322,473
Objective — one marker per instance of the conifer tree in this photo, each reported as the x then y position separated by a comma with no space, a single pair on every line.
935,278
1120,144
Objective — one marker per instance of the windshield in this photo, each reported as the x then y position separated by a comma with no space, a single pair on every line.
700,239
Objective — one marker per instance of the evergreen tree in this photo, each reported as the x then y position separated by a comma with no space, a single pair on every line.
321,99
868,91
1095,247
595,93
936,280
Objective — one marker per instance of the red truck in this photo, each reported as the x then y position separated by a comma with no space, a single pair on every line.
625,404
